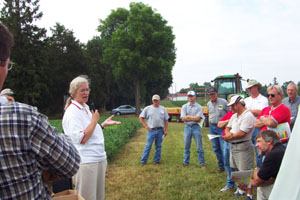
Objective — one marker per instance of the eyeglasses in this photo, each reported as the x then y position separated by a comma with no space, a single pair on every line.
272,95
84,90
9,66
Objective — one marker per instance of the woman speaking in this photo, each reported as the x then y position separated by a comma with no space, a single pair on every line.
82,126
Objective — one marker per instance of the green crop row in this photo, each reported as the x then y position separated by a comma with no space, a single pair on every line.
115,137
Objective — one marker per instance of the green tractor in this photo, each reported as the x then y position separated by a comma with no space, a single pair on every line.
229,84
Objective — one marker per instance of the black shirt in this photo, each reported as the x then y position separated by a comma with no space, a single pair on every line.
272,162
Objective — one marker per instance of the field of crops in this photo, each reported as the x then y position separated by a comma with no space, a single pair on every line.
115,136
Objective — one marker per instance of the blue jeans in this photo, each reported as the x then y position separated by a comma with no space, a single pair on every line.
189,132
217,144
151,136
226,156
258,157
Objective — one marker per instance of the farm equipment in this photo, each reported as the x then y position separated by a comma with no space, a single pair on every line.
229,84
225,84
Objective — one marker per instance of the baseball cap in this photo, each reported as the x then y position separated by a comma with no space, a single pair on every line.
155,97
191,93
212,90
235,99
7,91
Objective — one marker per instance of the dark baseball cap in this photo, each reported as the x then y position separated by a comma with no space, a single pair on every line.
212,90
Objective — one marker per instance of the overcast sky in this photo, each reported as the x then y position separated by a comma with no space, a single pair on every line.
260,39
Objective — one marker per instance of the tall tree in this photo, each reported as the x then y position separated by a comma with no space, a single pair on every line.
66,61
139,49
97,72
28,52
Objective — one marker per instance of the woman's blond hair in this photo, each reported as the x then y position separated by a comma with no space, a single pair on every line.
74,85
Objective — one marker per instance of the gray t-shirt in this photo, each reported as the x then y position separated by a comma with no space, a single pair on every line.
155,116
192,110
293,106
217,110
245,123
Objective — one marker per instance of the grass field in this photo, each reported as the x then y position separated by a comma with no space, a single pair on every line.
127,179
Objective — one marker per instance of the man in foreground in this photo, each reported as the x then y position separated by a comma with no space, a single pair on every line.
157,126
268,145
191,114
30,149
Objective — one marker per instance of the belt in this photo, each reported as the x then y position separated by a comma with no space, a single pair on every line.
239,142
213,124
157,128
193,125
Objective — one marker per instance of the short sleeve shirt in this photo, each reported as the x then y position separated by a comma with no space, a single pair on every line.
155,116
192,110
217,110
244,122
272,162
227,116
293,106
258,103
280,114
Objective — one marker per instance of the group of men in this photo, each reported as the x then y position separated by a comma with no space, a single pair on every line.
32,153
241,127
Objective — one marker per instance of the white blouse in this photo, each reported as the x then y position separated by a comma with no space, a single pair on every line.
75,121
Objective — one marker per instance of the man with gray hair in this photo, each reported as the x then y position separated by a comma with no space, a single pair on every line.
268,145
157,126
275,114
238,132
292,101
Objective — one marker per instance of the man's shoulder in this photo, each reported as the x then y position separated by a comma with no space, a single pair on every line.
160,106
260,96
297,99
278,151
14,107
283,107
285,100
184,105
222,101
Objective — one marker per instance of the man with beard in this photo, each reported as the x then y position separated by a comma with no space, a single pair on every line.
268,145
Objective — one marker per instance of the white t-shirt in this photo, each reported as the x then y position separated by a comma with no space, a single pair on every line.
258,103
75,121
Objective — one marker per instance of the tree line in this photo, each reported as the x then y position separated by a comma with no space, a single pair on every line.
130,60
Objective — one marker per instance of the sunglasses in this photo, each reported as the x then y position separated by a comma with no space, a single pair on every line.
272,95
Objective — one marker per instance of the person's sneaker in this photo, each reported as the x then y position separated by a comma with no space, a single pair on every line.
202,166
224,189
184,165
157,163
237,194
143,164
249,198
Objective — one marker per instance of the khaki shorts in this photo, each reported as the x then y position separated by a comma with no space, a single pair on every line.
242,155
263,193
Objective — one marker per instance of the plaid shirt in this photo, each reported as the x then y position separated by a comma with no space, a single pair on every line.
29,145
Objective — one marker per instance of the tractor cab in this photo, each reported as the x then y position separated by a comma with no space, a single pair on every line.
229,84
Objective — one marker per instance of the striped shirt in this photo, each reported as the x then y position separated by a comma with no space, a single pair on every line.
28,146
